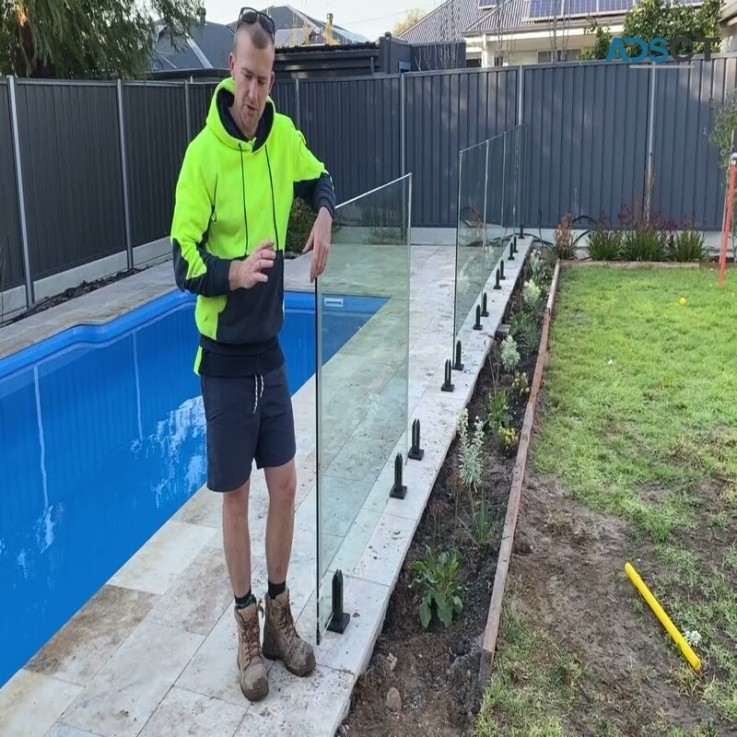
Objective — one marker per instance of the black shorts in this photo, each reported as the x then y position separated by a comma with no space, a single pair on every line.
248,418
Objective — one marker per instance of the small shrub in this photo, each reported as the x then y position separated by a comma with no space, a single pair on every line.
519,322
508,440
482,524
520,384
529,338
564,247
437,578
470,463
499,414
524,329
510,354
541,268
537,266
643,243
532,296
688,245
604,244
644,239
301,220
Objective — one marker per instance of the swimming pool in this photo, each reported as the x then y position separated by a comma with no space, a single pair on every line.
102,439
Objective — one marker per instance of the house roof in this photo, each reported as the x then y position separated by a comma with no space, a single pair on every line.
447,22
506,15
286,18
207,47
209,44
460,19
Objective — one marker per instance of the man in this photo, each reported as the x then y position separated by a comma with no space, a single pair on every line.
233,199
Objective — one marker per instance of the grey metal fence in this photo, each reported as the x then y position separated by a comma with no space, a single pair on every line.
156,138
71,165
587,140
354,127
446,112
99,160
11,252
685,166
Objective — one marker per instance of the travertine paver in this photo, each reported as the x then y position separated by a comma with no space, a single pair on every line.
154,653
94,307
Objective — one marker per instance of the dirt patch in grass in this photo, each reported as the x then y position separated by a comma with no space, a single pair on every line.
435,670
579,651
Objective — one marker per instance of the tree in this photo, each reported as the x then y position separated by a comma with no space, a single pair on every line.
98,39
411,17
601,45
650,19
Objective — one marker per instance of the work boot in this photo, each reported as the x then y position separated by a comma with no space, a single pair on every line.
281,641
254,681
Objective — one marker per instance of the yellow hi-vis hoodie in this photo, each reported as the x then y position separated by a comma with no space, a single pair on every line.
232,195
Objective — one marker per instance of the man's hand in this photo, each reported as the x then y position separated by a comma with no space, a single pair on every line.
319,242
247,273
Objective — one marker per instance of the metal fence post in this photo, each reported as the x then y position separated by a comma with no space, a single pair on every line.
297,106
124,168
521,169
485,240
520,94
186,107
403,122
650,143
504,189
30,295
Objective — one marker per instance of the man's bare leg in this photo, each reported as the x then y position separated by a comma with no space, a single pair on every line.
236,539
282,485
281,640
237,545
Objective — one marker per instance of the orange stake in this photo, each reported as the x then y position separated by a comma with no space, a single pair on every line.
727,222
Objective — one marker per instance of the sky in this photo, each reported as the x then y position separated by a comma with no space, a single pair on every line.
369,19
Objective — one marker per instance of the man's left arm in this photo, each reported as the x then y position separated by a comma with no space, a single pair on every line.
313,184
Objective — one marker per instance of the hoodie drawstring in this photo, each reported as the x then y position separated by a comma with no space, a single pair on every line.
243,192
273,204
258,390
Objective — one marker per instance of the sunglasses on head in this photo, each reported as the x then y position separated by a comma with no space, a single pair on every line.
249,16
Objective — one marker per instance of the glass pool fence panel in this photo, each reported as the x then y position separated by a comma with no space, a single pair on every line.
470,238
362,313
495,203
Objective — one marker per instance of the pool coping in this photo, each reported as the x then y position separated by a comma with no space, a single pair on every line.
341,658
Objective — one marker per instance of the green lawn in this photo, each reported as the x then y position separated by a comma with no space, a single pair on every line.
640,423
641,393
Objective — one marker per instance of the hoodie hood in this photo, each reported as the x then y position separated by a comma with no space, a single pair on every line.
222,124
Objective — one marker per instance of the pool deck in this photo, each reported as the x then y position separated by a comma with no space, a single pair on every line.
154,652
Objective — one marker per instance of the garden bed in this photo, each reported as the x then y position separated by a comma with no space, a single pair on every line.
435,670
72,293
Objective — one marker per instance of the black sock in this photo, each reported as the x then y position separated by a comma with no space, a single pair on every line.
241,602
275,589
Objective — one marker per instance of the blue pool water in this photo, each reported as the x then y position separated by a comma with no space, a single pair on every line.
102,439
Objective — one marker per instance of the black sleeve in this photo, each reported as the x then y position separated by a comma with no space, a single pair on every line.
317,193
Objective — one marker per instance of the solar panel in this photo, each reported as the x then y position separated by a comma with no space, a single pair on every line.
539,9
615,6
579,7
545,8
